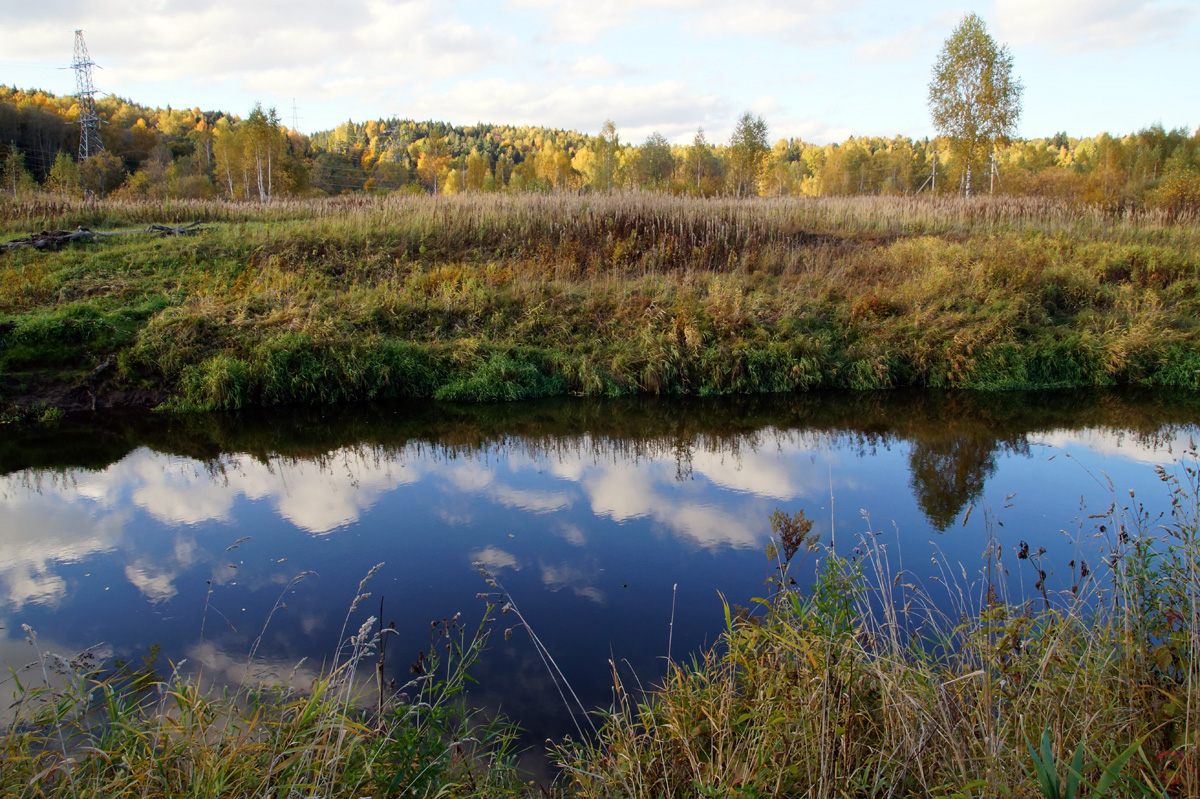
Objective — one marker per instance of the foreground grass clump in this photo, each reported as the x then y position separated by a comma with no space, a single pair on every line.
500,298
863,688
80,731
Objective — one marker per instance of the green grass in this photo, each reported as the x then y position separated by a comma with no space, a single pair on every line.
500,298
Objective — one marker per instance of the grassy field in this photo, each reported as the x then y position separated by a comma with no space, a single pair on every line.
487,298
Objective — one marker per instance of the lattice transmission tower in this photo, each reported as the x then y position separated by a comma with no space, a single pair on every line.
89,123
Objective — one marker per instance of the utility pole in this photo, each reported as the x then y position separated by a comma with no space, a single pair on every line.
932,179
89,123
295,115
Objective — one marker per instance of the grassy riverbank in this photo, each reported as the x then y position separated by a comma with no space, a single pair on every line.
501,298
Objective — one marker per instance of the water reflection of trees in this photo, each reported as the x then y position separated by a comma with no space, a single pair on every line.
948,473
954,437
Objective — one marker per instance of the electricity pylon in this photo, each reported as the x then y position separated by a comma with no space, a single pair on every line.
89,123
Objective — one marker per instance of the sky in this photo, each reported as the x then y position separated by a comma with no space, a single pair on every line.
821,70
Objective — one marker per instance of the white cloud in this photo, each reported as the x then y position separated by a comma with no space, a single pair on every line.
35,586
322,497
186,552
470,475
903,46
1118,443
1073,25
208,663
531,501
765,106
671,107
40,534
35,41
315,496
174,495
766,474
809,24
778,466
593,68
485,479
666,65
584,22
155,584
624,492
358,51
572,535
388,21
419,38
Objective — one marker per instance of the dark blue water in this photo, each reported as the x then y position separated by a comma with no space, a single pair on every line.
126,533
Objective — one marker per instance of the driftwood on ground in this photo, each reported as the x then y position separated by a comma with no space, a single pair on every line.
54,239
186,230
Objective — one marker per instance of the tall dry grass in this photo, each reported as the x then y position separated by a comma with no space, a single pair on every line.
870,685
80,728
538,217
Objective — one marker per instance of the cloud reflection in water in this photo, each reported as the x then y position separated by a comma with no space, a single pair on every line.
710,497
590,532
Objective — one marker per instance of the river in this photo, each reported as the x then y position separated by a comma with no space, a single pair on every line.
617,527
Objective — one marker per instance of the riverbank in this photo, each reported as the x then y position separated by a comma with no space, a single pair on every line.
476,298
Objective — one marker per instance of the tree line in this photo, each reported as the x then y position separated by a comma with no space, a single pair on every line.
189,153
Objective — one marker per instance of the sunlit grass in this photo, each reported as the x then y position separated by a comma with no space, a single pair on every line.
503,297
542,215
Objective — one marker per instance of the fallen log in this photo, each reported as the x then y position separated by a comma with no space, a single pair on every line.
186,230
52,239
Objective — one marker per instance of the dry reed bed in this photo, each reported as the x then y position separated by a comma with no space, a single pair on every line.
542,213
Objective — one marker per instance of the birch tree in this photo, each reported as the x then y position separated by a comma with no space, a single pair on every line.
748,150
974,98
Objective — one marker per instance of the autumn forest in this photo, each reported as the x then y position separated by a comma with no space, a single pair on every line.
155,153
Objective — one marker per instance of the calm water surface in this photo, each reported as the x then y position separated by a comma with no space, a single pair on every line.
595,516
